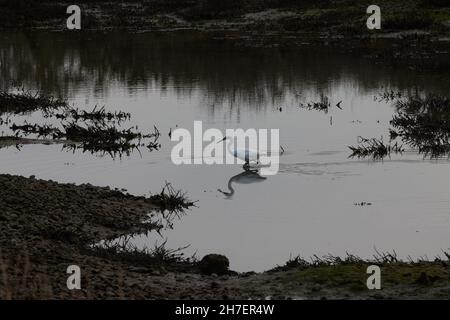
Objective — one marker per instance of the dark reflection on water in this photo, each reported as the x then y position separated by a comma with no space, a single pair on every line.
182,62
245,177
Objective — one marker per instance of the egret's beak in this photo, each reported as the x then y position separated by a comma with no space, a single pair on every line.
222,140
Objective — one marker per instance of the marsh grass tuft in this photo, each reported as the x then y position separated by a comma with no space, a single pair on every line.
388,96
420,122
99,115
105,138
378,258
374,148
96,131
158,256
424,124
40,130
299,262
95,138
22,102
171,200
322,105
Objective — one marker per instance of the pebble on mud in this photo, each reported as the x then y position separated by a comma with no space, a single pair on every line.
214,263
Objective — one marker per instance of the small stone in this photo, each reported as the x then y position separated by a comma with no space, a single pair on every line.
214,263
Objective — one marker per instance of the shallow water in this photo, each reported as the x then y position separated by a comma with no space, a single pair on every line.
308,207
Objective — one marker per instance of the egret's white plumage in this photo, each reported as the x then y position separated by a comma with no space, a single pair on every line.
247,155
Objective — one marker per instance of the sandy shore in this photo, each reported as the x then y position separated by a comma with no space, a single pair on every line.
47,226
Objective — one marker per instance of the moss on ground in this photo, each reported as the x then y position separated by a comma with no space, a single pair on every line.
354,276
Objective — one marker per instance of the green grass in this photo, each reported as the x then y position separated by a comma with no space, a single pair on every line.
350,273
353,276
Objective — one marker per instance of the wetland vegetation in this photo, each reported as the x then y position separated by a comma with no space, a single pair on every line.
420,122
95,131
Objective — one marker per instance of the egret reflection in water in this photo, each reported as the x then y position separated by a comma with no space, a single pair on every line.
245,177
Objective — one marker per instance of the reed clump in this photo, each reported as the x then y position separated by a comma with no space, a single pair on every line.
420,122
424,124
95,131
95,138
171,199
322,105
22,102
374,148
157,256
99,115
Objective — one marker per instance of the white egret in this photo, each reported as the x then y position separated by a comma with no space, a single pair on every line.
247,155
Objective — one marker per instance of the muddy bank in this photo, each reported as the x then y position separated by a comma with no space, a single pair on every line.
327,17
47,226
